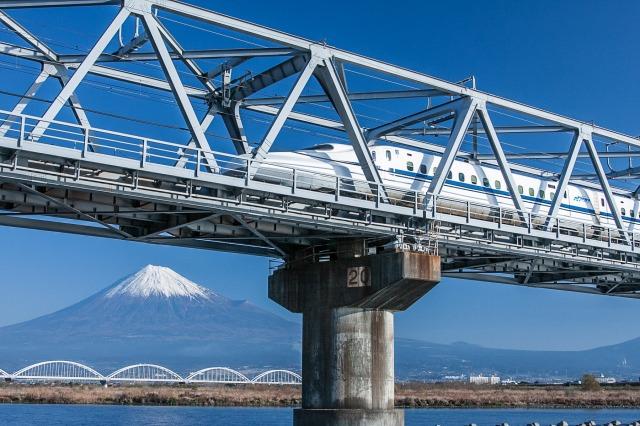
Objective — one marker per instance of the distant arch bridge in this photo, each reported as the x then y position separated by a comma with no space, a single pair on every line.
69,371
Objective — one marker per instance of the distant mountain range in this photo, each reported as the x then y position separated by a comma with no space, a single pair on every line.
424,360
155,316
159,316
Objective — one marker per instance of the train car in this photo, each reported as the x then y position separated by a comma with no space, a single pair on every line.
409,170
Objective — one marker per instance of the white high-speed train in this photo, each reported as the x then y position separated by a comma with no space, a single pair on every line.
467,181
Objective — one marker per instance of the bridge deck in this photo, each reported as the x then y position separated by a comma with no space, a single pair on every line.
125,186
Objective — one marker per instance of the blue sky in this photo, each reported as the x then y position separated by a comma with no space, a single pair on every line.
577,58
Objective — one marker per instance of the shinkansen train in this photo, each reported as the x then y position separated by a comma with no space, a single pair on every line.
468,181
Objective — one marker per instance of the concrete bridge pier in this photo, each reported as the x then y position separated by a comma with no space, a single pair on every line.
347,306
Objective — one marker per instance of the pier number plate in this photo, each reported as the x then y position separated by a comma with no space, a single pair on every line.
358,276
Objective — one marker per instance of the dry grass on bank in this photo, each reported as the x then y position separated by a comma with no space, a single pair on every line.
407,395
460,395
242,395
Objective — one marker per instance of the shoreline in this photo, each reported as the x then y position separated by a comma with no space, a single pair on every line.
411,395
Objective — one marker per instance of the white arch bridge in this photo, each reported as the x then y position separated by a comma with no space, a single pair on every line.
70,372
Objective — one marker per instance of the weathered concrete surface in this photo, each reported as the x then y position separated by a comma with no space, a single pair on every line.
397,280
347,359
347,340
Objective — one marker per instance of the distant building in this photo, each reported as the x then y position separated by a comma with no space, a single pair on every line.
459,378
484,380
605,380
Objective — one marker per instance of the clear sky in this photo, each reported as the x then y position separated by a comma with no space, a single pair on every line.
578,58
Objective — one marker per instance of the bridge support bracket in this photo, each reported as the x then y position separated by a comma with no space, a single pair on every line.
347,341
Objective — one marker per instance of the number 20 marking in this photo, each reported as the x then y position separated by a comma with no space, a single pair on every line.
358,277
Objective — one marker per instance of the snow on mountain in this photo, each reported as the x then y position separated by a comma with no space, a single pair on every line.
158,281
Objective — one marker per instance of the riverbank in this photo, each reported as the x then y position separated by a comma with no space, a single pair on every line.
407,395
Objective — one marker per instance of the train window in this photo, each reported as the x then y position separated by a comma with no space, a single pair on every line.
498,184
434,170
485,182
532,192
461,177
623,212
450,175
520,189
397,152
387,155
541,194
552,195
410,166
565,194
602,202
423,169
373,154
632,213
474,179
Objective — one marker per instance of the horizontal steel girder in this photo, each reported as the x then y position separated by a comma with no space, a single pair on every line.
187,54
23,4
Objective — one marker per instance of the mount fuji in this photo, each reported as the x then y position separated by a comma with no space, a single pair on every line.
155,316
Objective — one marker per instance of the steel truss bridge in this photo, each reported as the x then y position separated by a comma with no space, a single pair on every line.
199,183
72,372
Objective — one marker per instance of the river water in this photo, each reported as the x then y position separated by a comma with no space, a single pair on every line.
53,415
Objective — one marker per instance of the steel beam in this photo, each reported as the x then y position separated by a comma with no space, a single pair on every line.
233,62
565,176
189,63
133,45
233,123
294,93
27,36
57,226
179,92
260,235
331,84
561,155
464,113
501,159
80,213
80,72
410,120
25,99
630,172
269,77
24,4
439,131
76,107
353,96
604,183
178,226
187,54
204,124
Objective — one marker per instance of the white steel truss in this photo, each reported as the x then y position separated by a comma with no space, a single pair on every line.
219,200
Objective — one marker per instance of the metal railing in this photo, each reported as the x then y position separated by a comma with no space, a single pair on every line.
25,129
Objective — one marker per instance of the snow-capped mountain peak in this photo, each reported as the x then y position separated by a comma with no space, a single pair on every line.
158,281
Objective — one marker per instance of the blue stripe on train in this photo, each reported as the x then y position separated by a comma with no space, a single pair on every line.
480,188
